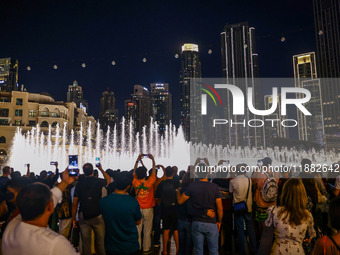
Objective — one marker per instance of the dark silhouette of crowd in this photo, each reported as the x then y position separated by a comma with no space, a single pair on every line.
166,211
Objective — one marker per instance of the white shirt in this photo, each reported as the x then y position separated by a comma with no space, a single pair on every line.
22,238
239,187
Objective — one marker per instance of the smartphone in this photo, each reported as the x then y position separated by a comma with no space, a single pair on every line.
97,162
26,164
259,163
73,165
202,160
52,163
146,156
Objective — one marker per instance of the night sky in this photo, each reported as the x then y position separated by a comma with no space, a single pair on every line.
43,33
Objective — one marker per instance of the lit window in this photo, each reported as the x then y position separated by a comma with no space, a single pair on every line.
32,113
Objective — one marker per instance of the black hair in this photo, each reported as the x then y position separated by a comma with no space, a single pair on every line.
123,180
88,169
15,174
334,212
95,173
141,172
43,174
32,200
18,183
6,170
169,171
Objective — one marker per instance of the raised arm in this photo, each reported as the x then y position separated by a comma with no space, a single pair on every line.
106,176
28,170
139,158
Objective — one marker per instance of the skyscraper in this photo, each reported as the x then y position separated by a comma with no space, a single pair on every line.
139,107
275,129
190,68
327,31
161,101
311,128
9,74
108,112
75,94
240,68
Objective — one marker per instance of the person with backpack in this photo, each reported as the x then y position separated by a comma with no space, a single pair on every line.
145,196
88,193
266,188
240,187
166,193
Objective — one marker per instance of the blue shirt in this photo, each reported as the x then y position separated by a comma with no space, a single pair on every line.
120,213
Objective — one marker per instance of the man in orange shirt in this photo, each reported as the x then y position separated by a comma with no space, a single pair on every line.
144,189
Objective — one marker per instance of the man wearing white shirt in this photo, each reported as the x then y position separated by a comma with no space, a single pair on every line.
28,233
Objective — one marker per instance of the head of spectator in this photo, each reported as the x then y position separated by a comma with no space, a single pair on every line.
32,177
123,182
266,163
169,172
334,212
294,202
175,170
186,180
43,175
241,169
88,169
305,166
141,172
6,171
35,204
181,174
15,174
15,185
95,173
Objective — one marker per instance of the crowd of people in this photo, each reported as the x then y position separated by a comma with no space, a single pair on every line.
127,212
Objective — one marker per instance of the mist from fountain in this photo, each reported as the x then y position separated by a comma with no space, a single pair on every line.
119,150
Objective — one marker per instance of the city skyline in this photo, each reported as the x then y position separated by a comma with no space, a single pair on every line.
69,50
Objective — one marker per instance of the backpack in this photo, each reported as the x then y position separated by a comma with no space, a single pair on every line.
269,190
89,197
168,195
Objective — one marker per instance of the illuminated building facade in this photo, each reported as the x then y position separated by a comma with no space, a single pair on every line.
327,32
311,128
108,112
138,108
240,67
161,101
75,94
8,74
190,68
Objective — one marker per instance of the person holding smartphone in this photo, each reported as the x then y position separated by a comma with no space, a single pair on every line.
88,193
145,197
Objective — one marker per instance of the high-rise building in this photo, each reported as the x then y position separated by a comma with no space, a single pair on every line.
311,128
108,112
190,69
240,68
327,31
275,129
139,108
9,74
161,101
75,94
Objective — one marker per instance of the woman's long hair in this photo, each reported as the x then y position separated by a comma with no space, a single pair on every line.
294,202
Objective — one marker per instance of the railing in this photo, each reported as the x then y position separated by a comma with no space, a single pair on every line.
52,115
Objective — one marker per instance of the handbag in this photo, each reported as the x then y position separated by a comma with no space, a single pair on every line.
241,208
266,242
